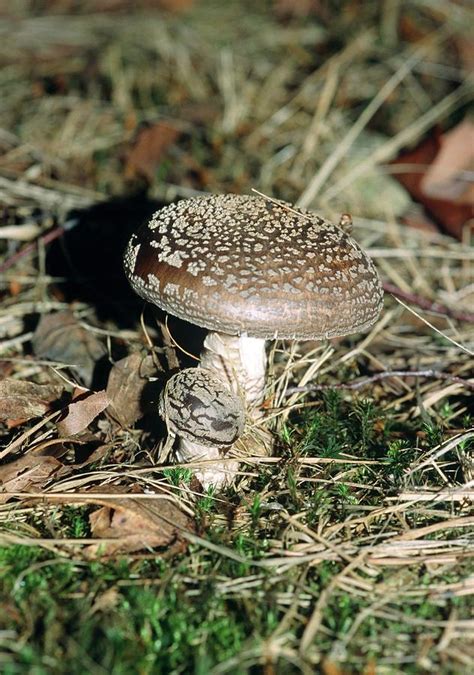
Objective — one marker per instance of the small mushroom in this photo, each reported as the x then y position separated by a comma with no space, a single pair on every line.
202,411
198,406
208,419
251,269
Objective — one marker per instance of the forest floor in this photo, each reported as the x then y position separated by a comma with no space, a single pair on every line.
350,549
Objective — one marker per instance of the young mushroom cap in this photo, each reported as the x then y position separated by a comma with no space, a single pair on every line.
200,408
245,265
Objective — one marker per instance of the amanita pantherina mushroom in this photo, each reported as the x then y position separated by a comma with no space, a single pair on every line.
206,416
251,269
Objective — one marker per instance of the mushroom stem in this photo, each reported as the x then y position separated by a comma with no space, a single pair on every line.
219,473
240,361
207,418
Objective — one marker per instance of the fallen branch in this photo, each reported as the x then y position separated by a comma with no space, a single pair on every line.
45,239
430,306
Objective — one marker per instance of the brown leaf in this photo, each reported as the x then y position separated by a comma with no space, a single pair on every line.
133,523
81,412
447,176
137,524
127,380
27,474
148,150
22,400
60,337
449,215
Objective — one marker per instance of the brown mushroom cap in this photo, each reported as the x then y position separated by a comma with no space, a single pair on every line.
241,264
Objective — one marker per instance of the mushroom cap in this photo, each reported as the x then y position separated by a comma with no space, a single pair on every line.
242,264
199,407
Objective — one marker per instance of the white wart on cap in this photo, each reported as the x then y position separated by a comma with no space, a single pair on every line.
242,264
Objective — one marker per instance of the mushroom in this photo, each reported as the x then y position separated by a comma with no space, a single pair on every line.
250,269
206,416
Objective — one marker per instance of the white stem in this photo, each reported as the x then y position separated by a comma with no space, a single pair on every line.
241,362
219,473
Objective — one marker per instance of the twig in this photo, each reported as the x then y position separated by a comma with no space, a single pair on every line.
31,248
359,384
458,495
430,306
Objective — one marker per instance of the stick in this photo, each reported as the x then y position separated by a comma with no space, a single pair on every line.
430,306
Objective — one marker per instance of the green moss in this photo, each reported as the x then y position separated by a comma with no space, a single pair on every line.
132,617
358,427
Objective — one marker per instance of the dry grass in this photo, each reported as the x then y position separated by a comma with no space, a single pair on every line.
356,536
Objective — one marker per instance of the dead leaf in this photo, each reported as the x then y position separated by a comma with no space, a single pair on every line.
82,411
27,474
23,400
127,380
137,524
449,215
448,175
148,150
60,337
133,523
